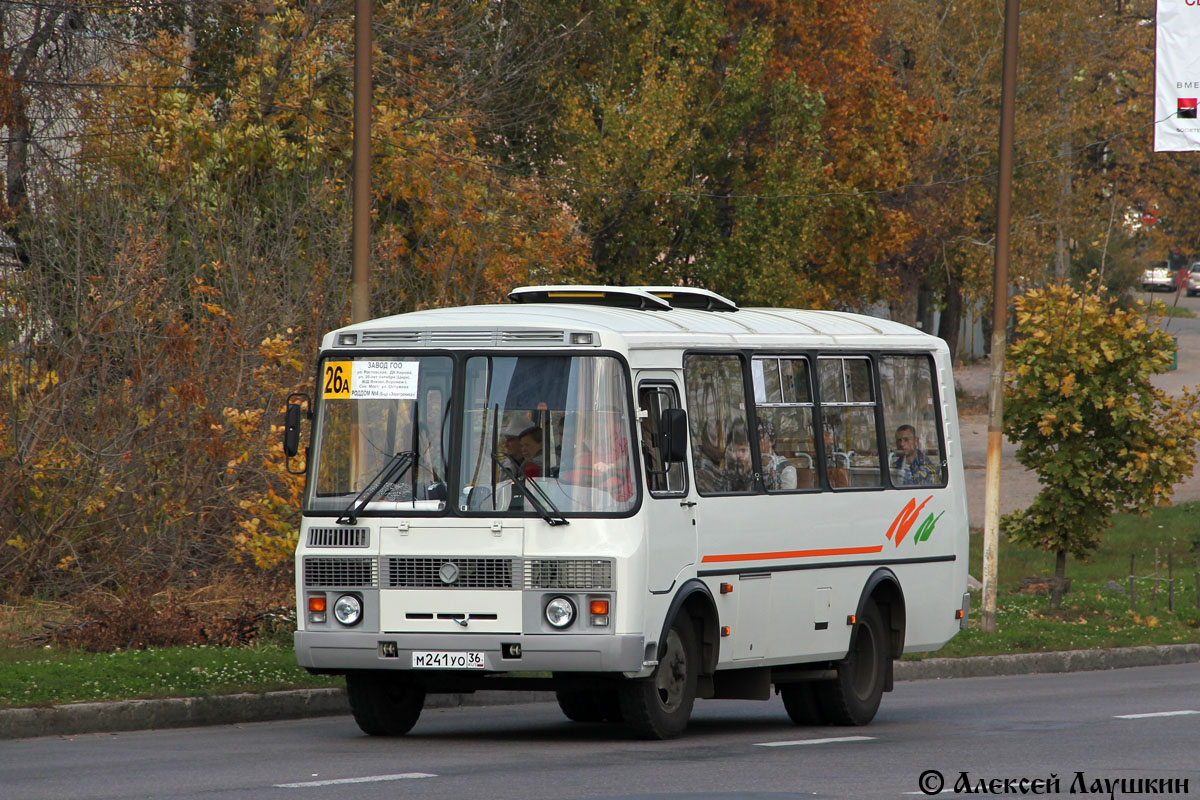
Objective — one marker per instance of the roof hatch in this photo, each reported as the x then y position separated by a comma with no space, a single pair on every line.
659,298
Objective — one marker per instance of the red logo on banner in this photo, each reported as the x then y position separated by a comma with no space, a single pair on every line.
1187,108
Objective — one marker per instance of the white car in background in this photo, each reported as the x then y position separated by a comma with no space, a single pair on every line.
1193,281
1158,278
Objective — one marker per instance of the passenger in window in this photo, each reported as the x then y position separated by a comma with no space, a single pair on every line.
710,473
510,442
778,473
910,465
604,463
531,452
739,468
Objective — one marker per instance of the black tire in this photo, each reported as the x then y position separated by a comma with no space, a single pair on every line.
800,701
853,697
384,703
597,705
659,707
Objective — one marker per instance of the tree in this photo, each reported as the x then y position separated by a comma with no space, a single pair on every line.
182,262
1100,436
1082,150
736,146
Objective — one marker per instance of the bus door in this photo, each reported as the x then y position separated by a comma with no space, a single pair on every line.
668,514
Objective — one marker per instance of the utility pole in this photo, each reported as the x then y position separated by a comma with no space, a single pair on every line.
360,253
991,523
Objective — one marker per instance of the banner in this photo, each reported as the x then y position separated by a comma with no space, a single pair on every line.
1177,75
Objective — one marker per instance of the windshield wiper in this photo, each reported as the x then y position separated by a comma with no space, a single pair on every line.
392,471
537,496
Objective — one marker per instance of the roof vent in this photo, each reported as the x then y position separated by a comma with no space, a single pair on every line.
692,297
612,296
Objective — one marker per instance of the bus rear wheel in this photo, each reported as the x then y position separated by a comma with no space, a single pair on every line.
384,703
659,707
852,698
800,702
584,705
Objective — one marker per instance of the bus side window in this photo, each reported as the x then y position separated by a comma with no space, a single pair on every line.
848,414
910,418
661,478
784,408
717,423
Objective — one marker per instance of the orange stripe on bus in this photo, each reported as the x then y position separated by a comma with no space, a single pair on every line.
833,551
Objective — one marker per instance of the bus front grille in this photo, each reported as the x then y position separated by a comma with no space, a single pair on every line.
568,573
450,573
339,537
323,571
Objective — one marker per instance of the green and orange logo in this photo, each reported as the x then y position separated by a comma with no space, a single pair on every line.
907,517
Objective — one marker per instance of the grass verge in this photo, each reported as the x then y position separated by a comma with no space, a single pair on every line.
1096,613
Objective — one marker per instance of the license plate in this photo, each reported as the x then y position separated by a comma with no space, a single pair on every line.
445,660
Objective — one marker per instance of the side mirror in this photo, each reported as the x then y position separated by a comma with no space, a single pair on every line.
291,426
291,430
674,435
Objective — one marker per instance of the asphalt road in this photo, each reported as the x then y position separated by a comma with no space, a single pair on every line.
1034,727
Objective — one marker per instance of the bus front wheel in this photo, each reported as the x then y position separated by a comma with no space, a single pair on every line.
384,703
658,707
852,698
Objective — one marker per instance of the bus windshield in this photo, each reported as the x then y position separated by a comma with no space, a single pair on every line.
561,423
540,435
381,435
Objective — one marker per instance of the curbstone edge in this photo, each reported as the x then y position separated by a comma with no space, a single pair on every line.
135,715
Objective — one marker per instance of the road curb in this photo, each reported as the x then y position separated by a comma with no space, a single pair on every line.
1061,661
136,715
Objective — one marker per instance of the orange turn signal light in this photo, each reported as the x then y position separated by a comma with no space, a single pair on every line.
599,606
725,631
726,588
316,603
850,620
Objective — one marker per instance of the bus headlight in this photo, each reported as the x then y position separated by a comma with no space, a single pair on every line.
348,609
560,612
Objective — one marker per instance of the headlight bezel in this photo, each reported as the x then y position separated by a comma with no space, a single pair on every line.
553,612
354,603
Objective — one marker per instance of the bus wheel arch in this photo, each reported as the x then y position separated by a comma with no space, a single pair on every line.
696,602
876,639
659,706
883,589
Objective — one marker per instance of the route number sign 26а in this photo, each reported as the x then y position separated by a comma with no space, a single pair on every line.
384,379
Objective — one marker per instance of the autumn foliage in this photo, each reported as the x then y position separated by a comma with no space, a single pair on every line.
1100,436
176,216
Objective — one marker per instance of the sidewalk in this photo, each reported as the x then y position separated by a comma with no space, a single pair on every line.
1019,486
135,715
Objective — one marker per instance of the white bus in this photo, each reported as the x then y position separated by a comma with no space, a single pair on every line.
634,497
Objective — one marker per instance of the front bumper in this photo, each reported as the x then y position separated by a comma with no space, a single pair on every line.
341,651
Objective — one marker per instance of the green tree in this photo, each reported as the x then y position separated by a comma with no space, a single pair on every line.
1089,421
732,145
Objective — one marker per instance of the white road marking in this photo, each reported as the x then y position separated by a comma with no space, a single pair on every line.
1183,713
370,779
831,740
